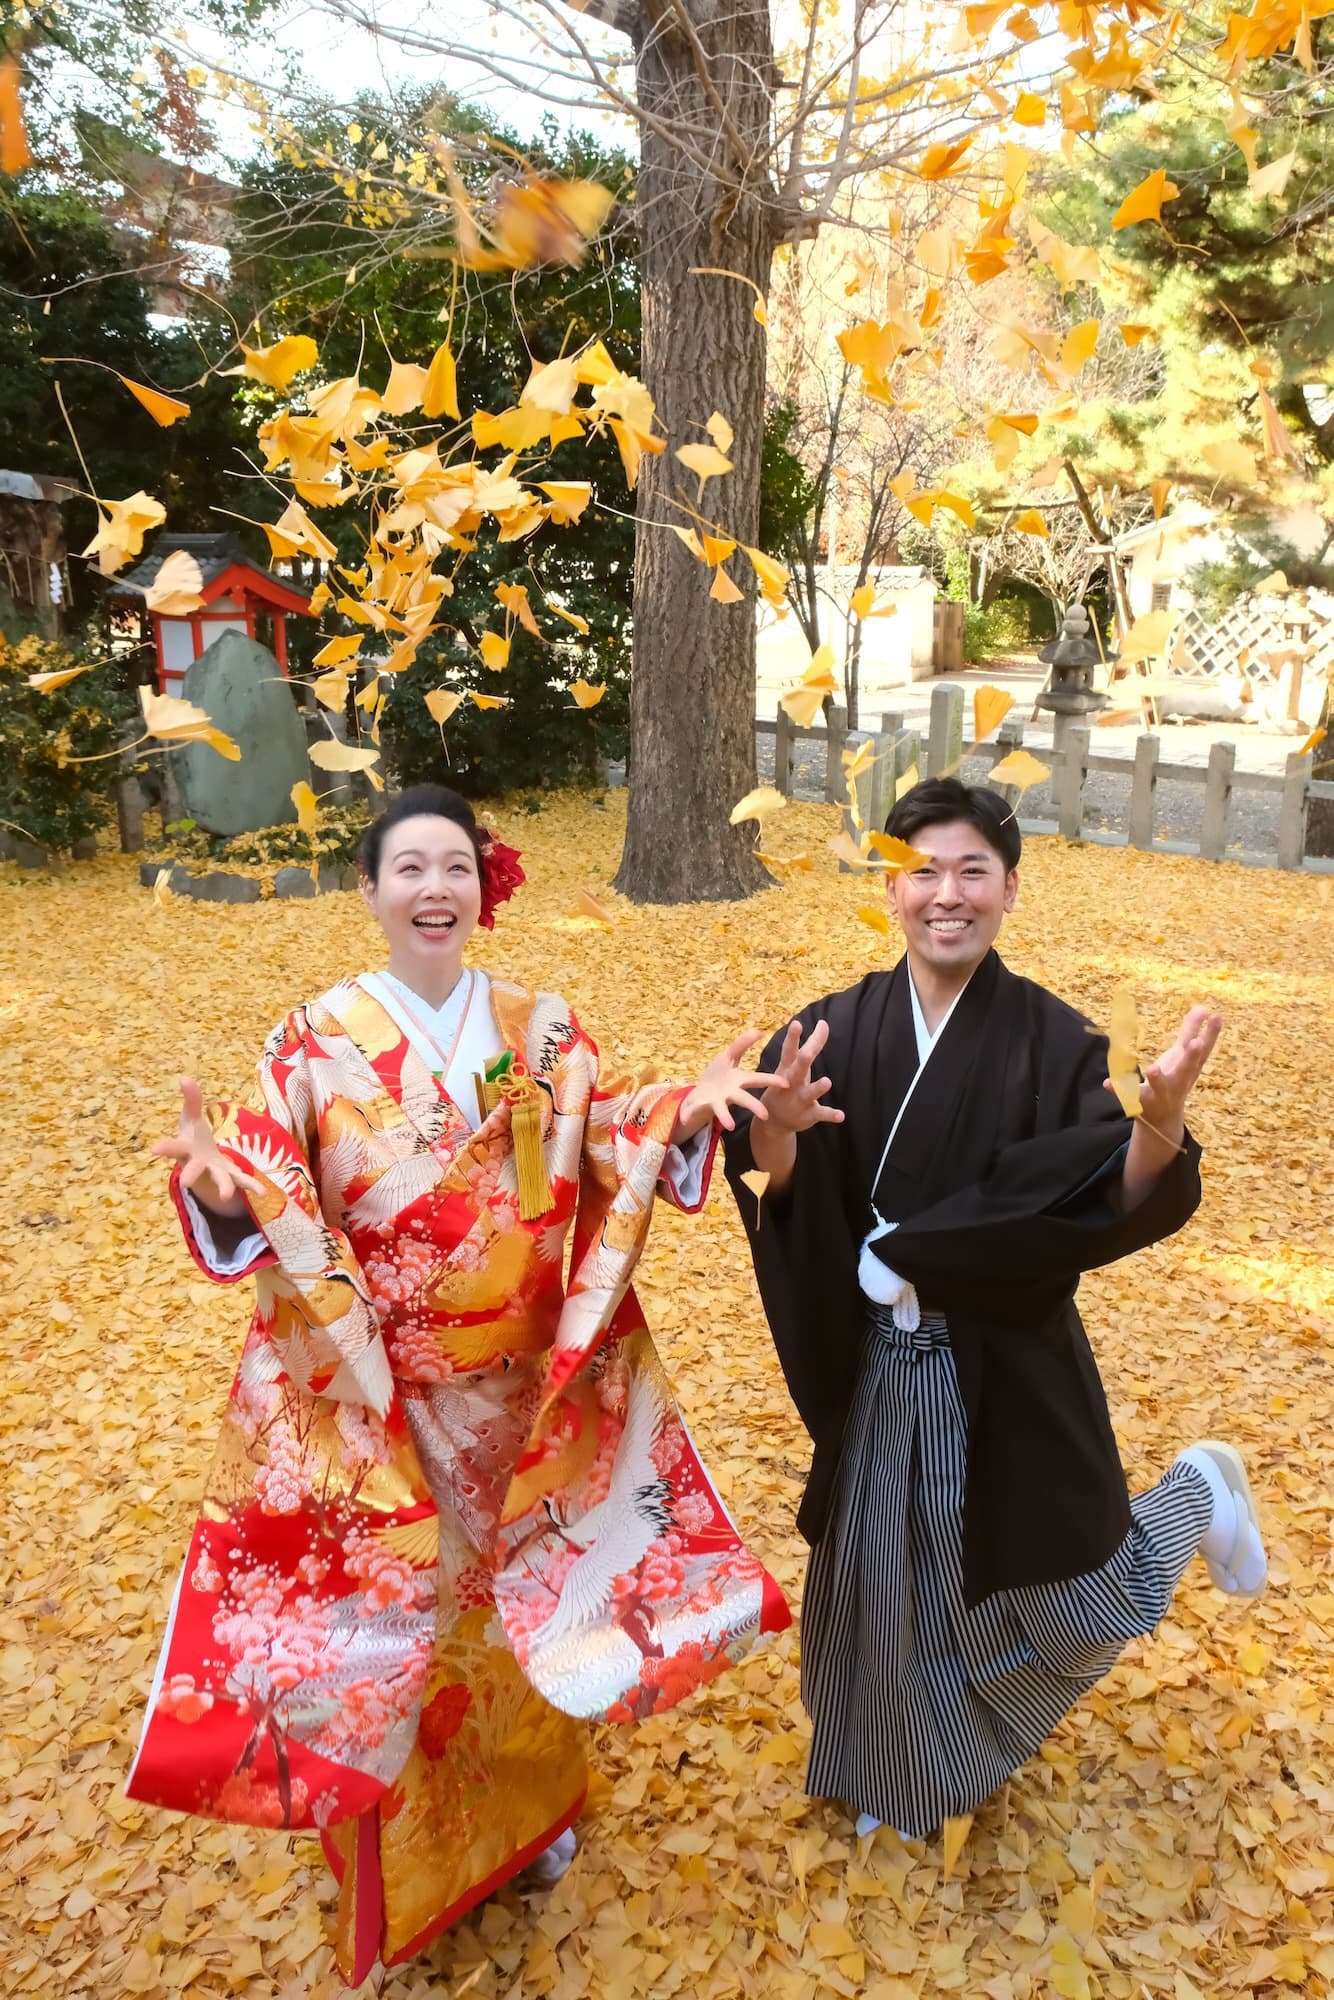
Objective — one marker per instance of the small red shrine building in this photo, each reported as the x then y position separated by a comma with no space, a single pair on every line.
238,596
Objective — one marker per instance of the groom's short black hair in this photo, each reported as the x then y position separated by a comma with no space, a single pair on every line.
938,800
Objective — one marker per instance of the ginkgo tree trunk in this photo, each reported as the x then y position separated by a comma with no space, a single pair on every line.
706,205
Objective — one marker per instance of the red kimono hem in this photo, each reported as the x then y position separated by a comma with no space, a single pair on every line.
370,1889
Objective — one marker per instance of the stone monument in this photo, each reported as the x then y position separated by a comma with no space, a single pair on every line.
243,691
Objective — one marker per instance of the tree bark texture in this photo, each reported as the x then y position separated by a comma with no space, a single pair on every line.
705,70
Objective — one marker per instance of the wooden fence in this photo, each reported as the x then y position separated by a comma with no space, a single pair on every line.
898,750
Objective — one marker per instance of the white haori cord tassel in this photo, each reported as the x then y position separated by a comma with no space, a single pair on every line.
885,1287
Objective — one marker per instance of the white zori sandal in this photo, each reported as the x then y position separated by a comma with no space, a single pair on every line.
546,1870
1231,1544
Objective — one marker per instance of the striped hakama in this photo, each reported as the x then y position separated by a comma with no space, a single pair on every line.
920,1706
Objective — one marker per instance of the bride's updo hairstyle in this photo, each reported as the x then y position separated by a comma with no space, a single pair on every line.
498,867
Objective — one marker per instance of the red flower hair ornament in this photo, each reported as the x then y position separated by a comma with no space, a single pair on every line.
501,876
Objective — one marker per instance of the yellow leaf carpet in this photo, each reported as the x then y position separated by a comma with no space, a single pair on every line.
1175,1838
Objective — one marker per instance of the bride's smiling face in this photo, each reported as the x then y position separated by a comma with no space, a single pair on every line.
427,894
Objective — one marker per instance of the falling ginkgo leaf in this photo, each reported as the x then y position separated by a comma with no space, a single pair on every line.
1147,637
568,498
804,703
495,651
441,704
1030,522
1313,742
331,755
331,690
758,805
570,617
720,431
845,847
588,907
1230,459
1020,768
1078,345
1145,203
1267,183
122,526
586,695
278,366
163,409
178,587
704,460
177,721
488,700
14,151
1159,491
874,918
898,855
1122,1051
334,651
863,605
757,1180
307,808
1133,334
294,533
991,705
905,784
771,577
723,590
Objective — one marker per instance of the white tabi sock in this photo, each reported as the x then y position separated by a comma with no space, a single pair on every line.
1230,1541
553,1861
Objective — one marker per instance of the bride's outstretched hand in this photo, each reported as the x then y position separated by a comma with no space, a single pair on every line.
205,1171
724,1087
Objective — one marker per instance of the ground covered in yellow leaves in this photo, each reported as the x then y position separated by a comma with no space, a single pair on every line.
1174,1839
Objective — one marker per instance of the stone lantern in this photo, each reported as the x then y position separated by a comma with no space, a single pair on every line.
1073,658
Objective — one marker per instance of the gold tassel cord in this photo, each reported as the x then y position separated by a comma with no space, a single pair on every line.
535,1196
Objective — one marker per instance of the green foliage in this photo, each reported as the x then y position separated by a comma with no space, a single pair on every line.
1257,551
787,492
44,795
1003,627
334,843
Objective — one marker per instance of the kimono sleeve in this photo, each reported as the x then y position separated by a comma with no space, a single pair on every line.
1049,1208
310,1263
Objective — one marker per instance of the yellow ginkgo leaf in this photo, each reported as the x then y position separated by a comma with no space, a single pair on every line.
405,388
587,906
904,785
488,700
122,525
991,705
874,918
722,590
279,365
331,755
1122,1051
1078,345
760,805
495,651
586,695
720,431
803,703
568,498
441,704
845,847
294,533
1147,637
1159,490
861,600
331,690
175,720
1020,768
1030,522
688,540
164,410
898,855
1030,109
336,650
717,548
704,460
178,587
1313,741
772,577
59,677
570,617
439,396
1132,333
14,152
552,387
858,761
513,597
956,1832
1145,203
939,162
1266,183
1231,460
757,1180
307,807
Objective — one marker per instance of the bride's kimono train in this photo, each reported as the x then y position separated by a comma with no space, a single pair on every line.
454,1506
